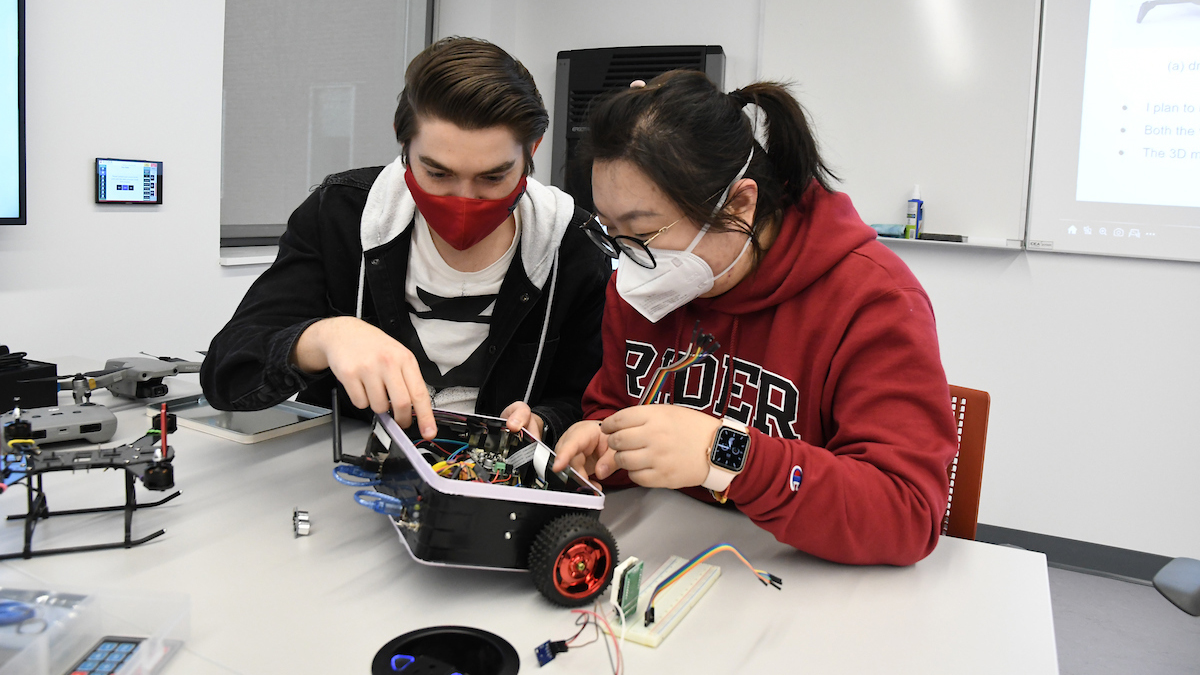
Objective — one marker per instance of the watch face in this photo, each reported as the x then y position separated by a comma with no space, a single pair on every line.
729,452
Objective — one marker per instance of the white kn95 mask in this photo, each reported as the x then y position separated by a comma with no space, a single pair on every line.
678,277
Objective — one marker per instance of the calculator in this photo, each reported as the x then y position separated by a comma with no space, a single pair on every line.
109,654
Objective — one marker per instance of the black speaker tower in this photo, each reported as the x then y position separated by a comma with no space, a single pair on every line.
584,74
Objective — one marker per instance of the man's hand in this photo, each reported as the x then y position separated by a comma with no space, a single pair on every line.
377,371
519,417
659,445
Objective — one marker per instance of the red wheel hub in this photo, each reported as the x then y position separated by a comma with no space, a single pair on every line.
580,569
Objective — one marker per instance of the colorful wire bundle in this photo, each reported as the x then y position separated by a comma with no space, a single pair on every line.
463,469
766,578
436,444
701,345
459,464
597,617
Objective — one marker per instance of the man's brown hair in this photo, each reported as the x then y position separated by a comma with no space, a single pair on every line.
472,84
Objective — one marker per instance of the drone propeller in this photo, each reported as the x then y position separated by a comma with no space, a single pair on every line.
77,376
168,359
99,373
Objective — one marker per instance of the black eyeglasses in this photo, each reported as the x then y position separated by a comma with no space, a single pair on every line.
637,250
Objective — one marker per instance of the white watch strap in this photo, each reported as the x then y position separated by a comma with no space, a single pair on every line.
734,424
718,479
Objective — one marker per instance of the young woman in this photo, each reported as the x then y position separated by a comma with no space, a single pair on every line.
446,279
819,407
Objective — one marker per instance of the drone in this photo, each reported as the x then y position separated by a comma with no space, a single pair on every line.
132,377
24,462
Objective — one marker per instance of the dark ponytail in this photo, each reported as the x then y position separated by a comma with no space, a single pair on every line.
691,140
791,148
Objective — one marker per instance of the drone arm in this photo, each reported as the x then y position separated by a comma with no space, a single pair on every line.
187,366
81,387
106,380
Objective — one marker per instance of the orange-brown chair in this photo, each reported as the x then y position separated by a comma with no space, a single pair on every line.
970,408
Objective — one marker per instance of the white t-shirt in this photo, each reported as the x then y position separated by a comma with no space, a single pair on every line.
452,313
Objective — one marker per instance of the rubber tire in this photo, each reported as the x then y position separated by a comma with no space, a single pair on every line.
553,540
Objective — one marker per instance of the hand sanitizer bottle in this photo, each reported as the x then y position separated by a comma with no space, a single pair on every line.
916,214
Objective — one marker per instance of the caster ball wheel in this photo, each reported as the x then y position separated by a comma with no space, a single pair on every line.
572,560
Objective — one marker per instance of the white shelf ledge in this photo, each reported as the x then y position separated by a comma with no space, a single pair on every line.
974,242
232,256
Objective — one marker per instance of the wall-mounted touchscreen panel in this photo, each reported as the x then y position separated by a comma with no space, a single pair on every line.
128,181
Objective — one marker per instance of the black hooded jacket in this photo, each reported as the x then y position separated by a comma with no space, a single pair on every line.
315,276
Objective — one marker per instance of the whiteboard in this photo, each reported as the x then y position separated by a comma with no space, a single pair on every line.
936,93
1116,167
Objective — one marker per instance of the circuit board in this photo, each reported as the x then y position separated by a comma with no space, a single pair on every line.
482,449
671,606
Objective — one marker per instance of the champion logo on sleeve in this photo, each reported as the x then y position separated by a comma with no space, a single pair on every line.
795,478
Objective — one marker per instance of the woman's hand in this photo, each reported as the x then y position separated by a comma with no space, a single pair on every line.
519,416
659,445
582,446
377,371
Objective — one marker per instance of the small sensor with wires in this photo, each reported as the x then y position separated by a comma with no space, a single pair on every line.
550,649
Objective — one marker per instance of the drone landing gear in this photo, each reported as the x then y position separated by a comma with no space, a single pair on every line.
37,509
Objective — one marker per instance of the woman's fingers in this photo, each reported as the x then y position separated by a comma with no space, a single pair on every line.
648,478
606,465
627,419
634,438
580,441
633,460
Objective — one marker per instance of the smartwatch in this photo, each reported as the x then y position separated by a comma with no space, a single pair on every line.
727,457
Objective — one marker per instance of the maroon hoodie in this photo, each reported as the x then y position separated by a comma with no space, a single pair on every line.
829,353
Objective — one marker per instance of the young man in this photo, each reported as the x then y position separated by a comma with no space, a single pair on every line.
447,279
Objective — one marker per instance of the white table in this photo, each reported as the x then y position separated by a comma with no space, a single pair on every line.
264,601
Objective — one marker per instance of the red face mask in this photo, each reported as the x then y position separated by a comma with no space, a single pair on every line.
463,222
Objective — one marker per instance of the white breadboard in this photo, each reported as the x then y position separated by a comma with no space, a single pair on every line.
671,605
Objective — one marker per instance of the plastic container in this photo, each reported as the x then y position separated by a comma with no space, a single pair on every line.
47,632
